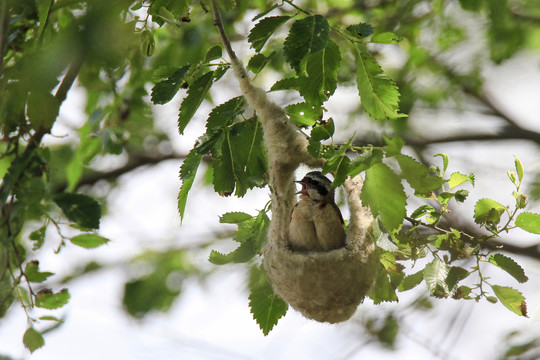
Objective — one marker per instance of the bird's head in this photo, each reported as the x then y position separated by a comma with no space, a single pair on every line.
317,187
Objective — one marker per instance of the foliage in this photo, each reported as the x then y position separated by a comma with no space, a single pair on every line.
120,50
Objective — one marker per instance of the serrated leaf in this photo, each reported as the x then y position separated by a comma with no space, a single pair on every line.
42,109
258,62
38,237
32,273
242,254
306,36
267,308
510,266
379,93
32,339
444,157
213,53
243,162
196,93
89,241
165,90
435,274
488,211
292,83
364,161
264,29
382,290
81,209
225,114
385,38
188,170
322,70
411,281
512,299
457,179
303,114
322,131
418,175
360,30
383,193
234,217
529,222
50,300
393,145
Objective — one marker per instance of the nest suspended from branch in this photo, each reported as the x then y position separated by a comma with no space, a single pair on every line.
327,286
323,286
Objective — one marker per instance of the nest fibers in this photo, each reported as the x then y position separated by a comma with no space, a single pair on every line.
327,286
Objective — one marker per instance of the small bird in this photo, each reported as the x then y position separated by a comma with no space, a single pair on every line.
316,222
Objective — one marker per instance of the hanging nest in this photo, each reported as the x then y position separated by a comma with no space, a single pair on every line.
323,286
327,286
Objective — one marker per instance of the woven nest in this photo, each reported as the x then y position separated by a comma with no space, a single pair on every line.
323,286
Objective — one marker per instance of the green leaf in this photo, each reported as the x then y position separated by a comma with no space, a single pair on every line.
444,157
322,70
148,44
42,109
242,254
234,217
150,292
383,193
89,241
393,146
422,210
32,273
292,83
529,222
303,114
418,175
258,62
188,170
360,30
505,35
165,90
364,161
411,281
32,339
510,266
264,29
379,93
81,209
213,53
224,115
512,299
457,179
488,211
435,274
38,237
383,289
267,308
48,300
385,38
519,168
306,36
243,163
196,93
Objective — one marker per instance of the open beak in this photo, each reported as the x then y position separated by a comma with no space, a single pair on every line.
304,187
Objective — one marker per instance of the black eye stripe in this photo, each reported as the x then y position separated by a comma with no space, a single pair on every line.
318,181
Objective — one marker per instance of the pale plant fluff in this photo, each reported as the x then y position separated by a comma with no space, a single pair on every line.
323,286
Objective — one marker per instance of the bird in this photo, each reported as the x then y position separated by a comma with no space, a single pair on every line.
316,221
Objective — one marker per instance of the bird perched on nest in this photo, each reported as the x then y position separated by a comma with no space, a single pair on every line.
316,222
